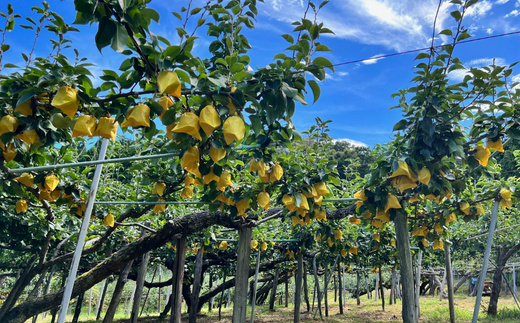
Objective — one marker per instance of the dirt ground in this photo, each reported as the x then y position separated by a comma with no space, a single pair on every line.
432,311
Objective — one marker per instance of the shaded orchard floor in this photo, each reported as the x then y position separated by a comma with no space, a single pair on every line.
432,311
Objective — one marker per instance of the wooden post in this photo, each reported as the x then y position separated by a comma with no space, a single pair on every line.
418,286
48,287
102,300
405,258
253,292
340,292
141,276
118,291
221,298
160,296
242,275
211,300
358,278
376,285
177,279
89,302
335,284
273,290
131,300
147,293
367,287
306,288
382,290
343,288
298,288
450,281
79,305
317,282
441,291
196,287
287,289
326,288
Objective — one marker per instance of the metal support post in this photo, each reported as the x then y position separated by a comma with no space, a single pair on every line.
492,226
82,234
254,287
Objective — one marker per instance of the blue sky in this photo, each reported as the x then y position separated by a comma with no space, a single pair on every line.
357,96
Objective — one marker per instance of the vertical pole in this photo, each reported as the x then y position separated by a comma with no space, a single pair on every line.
221,297
326,287
131,300
405,259
447,256
376,293
343,280
340,285
99,297
141,276
306,287
197,278
514,279
357,287
297,289
317,285
89,302
441,291
159,299
242,275
382,289
367,287
82,234
273,290
492,226
177,280
253,302
418,286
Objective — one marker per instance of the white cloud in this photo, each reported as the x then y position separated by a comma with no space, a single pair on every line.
517,4
338,76
372,60
480,9
502,1
278,4
397,25
353,142
513,13
489,31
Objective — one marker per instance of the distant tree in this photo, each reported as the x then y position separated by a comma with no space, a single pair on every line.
351,157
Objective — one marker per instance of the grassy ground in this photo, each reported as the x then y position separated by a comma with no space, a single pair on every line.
432,311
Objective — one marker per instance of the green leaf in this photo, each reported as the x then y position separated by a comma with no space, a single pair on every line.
446,32
120,39
172,51
322,48
106,31
27,96
9,65
456,14
323,62
288,38
463,36
176,14
151,13
169,117
315,90
237,67
256,124
514,133
400,125
422,56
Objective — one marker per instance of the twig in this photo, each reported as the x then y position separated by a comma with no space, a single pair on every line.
135,225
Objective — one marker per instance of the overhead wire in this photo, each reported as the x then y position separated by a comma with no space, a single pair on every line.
415,50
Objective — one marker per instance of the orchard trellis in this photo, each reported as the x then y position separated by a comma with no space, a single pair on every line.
424,176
